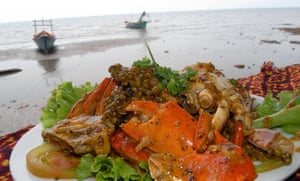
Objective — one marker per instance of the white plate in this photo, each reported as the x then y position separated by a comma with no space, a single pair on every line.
17,162
33,138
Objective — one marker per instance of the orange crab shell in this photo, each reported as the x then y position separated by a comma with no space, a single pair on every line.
223,161
170,129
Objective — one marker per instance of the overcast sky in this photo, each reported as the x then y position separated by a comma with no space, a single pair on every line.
18,10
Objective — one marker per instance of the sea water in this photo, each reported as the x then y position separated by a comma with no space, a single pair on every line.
214,25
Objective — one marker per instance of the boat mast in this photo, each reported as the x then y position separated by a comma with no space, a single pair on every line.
141,17
34,24
42,23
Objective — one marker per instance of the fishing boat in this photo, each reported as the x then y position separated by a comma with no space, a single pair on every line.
44,39
136,25
140,24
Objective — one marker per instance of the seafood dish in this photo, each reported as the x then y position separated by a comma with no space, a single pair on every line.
159,124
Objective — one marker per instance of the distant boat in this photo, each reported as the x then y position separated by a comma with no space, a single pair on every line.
136,25
140,24
44,39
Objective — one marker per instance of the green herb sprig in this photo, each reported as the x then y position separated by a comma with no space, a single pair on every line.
174,81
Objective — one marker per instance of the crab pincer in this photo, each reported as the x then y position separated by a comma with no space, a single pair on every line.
203,128
93,102
127,147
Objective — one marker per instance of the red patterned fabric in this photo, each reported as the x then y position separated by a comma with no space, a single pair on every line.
7,143
270,79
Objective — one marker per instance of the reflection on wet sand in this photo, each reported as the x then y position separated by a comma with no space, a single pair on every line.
71,49
52,77
49,65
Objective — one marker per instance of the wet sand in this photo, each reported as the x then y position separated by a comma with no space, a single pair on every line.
25,92
67,50
294,31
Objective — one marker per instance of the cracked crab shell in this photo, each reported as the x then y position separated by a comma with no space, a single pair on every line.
171,129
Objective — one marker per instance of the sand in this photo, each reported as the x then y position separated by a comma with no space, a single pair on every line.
67,50
25,92
294,31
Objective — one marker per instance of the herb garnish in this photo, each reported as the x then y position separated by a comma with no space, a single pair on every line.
174,81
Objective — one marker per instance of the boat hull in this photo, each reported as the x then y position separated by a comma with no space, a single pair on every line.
44,42
136,25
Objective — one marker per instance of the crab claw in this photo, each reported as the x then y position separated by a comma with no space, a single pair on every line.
174,127
202,130
127,147
224,161
147,108
93,102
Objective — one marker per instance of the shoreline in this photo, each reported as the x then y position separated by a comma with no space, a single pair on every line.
70,49
95,46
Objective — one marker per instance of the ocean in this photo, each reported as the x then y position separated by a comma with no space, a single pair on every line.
211,25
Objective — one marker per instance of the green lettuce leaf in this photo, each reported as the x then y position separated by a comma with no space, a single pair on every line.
61,101
107,168
84,168
281,113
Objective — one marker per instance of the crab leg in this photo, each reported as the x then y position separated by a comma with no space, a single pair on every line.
219,139
221,116
87,104
77,108
107,92
202,130
238,135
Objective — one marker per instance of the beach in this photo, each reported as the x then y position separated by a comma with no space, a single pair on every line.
237,42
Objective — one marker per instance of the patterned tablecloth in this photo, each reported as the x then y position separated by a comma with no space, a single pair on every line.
270,79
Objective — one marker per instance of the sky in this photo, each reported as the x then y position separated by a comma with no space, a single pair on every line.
20,10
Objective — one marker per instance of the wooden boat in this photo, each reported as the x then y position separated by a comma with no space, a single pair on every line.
140,24
44,39
136,25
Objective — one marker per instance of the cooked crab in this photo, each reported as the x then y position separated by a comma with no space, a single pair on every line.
80,135
230,105
177,147
166,127
221,161
212,91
